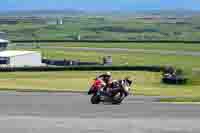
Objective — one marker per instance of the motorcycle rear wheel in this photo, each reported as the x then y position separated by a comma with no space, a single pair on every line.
95,99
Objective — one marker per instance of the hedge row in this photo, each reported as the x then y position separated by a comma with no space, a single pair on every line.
84,68
105,41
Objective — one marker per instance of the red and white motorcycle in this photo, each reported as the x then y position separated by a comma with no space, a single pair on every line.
119,90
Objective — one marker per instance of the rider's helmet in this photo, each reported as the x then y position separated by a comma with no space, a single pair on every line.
108,73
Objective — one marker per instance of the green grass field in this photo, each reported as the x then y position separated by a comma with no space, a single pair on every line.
188,63
106,28
181,99
147,46
121,58
145,83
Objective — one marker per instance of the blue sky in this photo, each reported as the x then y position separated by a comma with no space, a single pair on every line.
99,5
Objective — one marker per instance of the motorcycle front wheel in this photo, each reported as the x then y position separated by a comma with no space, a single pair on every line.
118,100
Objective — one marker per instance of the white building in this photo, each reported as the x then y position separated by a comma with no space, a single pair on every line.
13,58
3,44
3,35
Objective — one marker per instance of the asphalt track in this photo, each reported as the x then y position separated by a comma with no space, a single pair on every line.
148,51
22,112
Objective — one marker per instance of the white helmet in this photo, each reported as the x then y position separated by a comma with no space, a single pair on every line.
108,73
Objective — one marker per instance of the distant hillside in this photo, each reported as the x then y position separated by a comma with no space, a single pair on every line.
42,13
175,13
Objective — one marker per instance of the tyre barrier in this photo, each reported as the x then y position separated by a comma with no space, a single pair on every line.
175,81
66,62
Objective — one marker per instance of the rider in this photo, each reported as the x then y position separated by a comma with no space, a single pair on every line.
107,79
101,81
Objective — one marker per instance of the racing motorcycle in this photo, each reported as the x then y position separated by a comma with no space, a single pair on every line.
119,90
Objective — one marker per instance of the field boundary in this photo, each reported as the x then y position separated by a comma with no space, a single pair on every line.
43,90
104,41
83,68
51,91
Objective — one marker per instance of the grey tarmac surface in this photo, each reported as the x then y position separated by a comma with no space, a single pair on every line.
22,112
161,52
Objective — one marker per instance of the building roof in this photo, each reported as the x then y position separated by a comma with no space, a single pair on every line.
3,41
11,53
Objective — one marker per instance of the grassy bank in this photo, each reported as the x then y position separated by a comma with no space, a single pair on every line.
181,100
149,46
188,63
132,59
145,83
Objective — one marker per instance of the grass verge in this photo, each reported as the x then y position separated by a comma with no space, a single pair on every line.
123,58
145,83
149,46
181,100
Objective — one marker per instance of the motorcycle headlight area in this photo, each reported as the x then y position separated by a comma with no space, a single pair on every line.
126,87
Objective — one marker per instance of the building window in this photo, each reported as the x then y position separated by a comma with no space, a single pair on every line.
4,60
